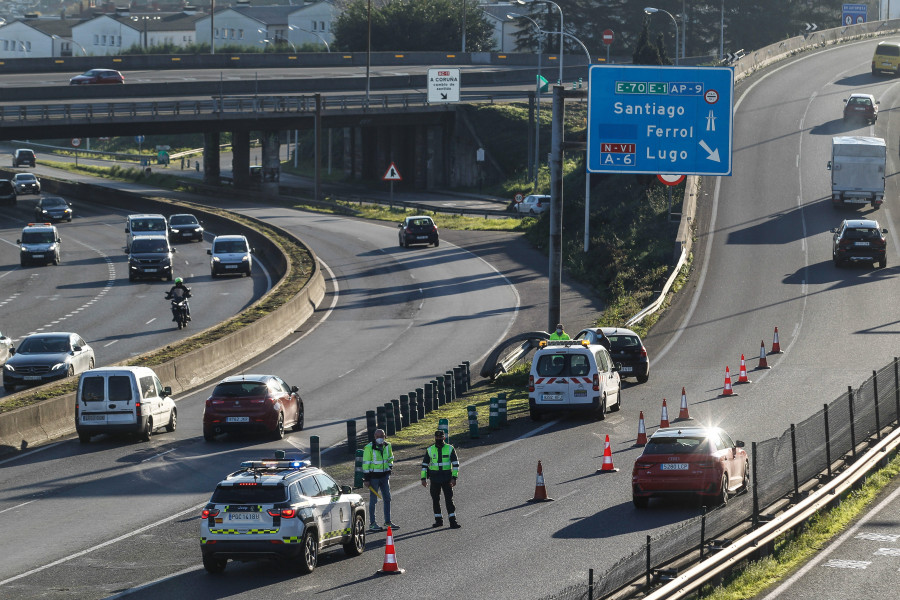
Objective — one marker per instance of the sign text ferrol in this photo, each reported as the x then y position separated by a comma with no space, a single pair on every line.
660,120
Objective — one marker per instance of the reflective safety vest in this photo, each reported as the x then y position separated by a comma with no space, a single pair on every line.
438,462
556,336
377,460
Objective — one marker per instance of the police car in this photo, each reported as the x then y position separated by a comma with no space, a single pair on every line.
280,509
39,244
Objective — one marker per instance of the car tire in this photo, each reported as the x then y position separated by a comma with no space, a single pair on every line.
169,276
278,434
531,212
357,542
214,565
722,496
147,433
309,556
90,364
400,241
208,435
643,378
23,263
130,277
882,263
745,483
56,260
640,502
173,421
601,410
212,273
70,372
298,426
437,243
248,273
534,414
618,404
84,438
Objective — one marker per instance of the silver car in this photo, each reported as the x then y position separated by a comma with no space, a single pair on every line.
533,205
45,357
5,345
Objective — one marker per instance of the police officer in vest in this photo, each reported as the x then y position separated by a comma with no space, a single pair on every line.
378,460
441,465
559,334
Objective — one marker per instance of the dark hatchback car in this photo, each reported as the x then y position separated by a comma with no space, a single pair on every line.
97,76
23,157
52,208
185,227
859,240
7,192
625,347
418,230
252,404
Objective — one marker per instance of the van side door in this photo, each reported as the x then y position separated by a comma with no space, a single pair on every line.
150,400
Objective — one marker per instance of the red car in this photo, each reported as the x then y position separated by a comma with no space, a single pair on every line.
98,76
252,404
690,461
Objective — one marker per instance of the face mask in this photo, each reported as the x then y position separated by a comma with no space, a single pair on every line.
379,441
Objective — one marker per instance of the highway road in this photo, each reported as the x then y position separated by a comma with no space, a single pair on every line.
762,260
89,292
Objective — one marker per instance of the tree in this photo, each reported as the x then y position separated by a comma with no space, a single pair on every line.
415,25
645,53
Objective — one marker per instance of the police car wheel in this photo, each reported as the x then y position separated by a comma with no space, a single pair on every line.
214,565
357,542
309,558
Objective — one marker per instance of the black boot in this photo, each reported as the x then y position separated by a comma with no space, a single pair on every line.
454,524
438,523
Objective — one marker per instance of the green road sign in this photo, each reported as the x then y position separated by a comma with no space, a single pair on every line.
543,84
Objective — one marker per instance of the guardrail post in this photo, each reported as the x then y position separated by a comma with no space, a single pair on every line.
827,442
450,384
358,473
648,563
398,416
404,410
755,488
794,461
494,414
877,416
702,531
897,387
501,399
420,404
473,421
371,425
413,408
441,390
467,367
852,422
460,373
315,457
390,427
381,418
430,398
351,435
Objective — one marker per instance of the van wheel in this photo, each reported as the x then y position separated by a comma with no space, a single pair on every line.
357,542
173,421
309,558
84,438
618,401
147,433
278,434
601,412
214,565
534,414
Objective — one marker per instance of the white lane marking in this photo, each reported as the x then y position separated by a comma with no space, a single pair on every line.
839,563
110,343
833,546
158,455
30,452
150,321
16,506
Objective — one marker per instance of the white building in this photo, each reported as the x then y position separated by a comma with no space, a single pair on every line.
38,38
256,26
113,34
505,29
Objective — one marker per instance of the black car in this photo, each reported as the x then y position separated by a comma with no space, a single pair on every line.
23,157
625,347
185,227
859,240
52,208
150,256
26,183
7,192
418,230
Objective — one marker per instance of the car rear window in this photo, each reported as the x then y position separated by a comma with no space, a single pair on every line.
623,341
888,50
676,445
861,233
421,223
560,365
240,389
92,389
262,494
119,388
860,101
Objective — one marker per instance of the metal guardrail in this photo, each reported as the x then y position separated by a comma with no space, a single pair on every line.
656,304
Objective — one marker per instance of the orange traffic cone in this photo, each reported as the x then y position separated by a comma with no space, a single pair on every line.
742,375
607,466
642,432
776,347
390,557
664,417
763,363
540,490
728,391
683,414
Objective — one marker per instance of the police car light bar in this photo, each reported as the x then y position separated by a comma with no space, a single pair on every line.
275,464
565,343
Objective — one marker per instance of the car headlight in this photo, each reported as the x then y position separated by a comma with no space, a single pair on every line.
52,247
68,210
176,231
9,367
245,258
58,366
22,249
43,211
215,259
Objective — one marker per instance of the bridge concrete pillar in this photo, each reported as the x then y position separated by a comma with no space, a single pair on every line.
435,153
240,159
211,170
271,161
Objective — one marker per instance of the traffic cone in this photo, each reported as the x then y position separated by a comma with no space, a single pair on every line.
763,363
390,566
728,391
664,417
540,490
683,414
642,432
776,347
742,375
607,466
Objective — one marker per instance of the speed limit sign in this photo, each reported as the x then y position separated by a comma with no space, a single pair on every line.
76,142
519,198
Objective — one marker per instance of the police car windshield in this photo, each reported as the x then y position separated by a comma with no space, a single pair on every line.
150,246
37,237
262,494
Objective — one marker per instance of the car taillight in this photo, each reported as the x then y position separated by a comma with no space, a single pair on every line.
596,386
643,352
258,401
531,383
538,203
844,243
284,513
209,513
641,465
137,408
210,401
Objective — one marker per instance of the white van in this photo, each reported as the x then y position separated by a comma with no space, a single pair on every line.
138,225
573,375
122,400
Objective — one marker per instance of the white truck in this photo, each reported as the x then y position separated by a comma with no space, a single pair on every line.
857,170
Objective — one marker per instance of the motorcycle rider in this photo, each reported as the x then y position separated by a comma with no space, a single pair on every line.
178,291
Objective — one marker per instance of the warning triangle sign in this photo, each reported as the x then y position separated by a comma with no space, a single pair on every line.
392,174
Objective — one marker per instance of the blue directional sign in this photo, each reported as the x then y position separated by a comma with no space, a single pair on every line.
655,120
852,14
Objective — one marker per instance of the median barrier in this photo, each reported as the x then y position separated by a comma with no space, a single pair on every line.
55,417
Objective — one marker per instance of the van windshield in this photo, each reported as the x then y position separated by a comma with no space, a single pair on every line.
149,246
229,247
148,225
38,237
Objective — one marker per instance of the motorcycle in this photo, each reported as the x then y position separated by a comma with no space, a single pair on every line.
180,311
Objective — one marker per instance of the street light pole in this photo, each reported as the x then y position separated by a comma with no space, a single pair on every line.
368,46
463,25
537,118
561,29
651,11
722,32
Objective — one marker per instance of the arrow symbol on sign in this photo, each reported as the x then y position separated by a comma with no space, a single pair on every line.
443,96
713,154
